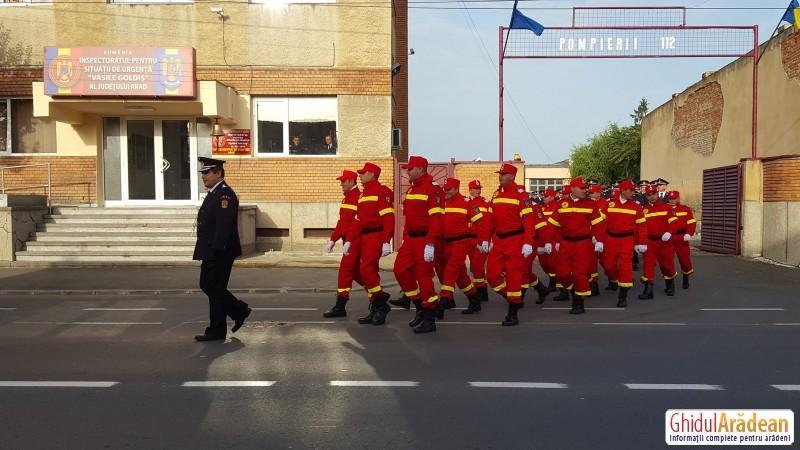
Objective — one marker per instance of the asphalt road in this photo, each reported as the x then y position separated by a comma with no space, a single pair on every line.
292,379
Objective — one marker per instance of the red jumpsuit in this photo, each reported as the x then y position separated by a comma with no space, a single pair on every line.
460,221
625,227
348,266
541,235
685,224
548,262
374,226
660,219
423,209
477,260
512,215
594,275
576,222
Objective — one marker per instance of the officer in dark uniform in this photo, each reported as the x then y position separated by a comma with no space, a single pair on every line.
217,246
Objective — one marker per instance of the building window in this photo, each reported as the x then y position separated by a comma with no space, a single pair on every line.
23,2
541,184
20,132
295,126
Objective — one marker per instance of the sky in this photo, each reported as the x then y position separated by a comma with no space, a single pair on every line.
551,105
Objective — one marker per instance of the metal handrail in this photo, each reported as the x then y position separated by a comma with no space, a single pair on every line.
49,186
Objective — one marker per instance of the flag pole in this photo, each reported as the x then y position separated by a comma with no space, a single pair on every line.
509,28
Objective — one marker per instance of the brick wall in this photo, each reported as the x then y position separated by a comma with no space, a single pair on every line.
17,82
790,56
484,171
697,122
73,177
782,180
301,81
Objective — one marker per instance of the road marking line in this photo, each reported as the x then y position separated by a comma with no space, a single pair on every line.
375,383
124,309
85,384
638,323
228,383
596,309
786,324
786,387
742,309
8,309
501,384
285,309
466,323
690,387
87,323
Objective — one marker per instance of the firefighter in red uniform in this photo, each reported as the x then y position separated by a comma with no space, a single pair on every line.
548,260
685,225
460,220
348,266
577,221
374,229
626,231
596,194
541,234
512,241
477,259
423,209
660,221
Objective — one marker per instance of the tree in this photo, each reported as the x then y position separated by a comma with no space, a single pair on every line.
613,154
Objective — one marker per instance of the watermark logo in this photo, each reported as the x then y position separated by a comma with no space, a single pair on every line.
729,427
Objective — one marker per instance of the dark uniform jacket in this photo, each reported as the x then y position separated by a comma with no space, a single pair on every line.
217,225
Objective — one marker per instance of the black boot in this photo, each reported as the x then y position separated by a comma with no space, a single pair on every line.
612,286
474,304
635,262
447,303
648,291
338,309
483,293
595,288
428,323
370,315
382,309
577,305
418,316
622,298
512,319
669,288
404,302
551,285
439,312
685,281
524,291
563,295
542,292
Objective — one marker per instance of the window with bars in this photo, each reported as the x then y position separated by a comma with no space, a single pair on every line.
295,126
540,184
20,132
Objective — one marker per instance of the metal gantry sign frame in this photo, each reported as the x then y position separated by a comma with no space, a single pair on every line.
630,32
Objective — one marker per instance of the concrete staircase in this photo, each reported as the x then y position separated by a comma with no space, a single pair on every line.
80,236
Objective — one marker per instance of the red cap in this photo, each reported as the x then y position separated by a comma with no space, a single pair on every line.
577,182
369,167
565,189
508,168
452,183
347,175
627,184
651,189
549,192
416,161
475,184
594,188
673,195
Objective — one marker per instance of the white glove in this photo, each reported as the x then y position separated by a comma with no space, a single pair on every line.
640,249
484,247
527,250
558,246
598,247
548,248
346,248
386,250
428,255
666,236
329,246
594,240
687,237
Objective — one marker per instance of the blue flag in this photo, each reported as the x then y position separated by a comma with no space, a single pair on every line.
789,15
521,21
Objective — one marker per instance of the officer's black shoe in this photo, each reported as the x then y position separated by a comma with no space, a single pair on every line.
382,309
648,291
447,303
563,295
622,298
404,302
595,289
209,337
551,286
240,321
511,318
542,292
428,323
418,316
483,292
474,304
577,305
685,284
669,287
338,309
370,315
612,286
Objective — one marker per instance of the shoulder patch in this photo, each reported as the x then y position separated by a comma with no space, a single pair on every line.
565,205
645,211
611,204
224,201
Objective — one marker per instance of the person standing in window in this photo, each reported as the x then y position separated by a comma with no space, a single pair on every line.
296,145
329,147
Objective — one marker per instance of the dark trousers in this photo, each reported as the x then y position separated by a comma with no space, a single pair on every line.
214,276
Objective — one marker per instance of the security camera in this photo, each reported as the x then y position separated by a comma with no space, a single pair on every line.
411,51
219,11
396,68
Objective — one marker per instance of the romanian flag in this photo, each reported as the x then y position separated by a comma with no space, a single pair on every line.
792,14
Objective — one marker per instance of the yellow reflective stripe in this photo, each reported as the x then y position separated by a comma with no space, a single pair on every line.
598,220
577,210
670,278
455,210
514,294
433,211
547,213
681,214
558,285
412,293
433,299
448,288
369,198
672,219
525,211
642,220
482,209
643,279
479,280
584,293
476,218
468,288
491,210
689,272
510,201
525,286
386,211
553,222
690,221
540,225
417,197
374,289
499,287
622,210
551,274
348,206
621,284
655,214
343,290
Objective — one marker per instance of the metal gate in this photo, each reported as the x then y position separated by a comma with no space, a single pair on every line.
721,209
439,171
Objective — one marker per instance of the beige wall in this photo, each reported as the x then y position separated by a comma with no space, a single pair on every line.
547,172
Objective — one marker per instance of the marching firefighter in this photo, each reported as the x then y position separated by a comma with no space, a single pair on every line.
423,209
541,235
596,195
373,230
577,221
548,260
686,226
660,221
477,258
626,231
